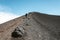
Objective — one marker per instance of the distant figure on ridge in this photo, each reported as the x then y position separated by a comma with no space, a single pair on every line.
26,15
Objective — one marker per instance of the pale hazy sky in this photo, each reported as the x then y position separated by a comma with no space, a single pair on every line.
10,9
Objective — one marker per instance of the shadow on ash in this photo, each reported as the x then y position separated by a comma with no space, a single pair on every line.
31,26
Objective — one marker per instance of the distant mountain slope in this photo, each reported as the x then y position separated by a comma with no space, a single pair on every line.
37,26
50,22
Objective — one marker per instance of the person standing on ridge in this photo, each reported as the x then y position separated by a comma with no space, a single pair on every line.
26,15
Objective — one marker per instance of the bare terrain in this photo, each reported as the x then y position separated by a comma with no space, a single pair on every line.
37,26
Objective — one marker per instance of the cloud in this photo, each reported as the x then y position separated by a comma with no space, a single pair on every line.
5,16
51,13
5,8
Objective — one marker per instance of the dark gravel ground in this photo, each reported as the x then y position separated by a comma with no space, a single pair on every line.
37,27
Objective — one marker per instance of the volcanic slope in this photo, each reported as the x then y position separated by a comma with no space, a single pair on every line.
37,26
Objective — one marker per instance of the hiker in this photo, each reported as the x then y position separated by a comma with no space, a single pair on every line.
26,15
